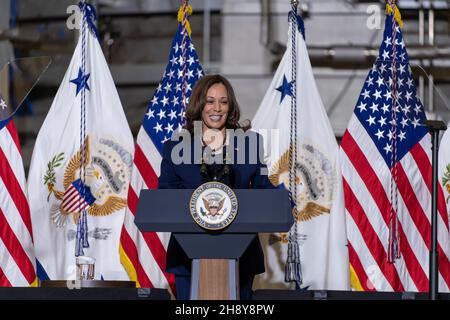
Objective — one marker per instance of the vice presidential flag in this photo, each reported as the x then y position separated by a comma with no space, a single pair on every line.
386,169
316,184
144,254
17,261
54,181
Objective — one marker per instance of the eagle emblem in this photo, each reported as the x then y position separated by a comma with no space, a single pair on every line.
106,178
314,180
213,205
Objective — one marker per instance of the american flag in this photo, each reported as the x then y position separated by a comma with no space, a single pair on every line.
144,254
378,152
17,261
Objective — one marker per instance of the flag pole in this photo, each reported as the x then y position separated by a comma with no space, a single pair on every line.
435,127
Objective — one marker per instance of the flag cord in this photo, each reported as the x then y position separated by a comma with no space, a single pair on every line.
293,263
394,239
82,229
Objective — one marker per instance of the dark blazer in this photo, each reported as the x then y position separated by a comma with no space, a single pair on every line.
188,176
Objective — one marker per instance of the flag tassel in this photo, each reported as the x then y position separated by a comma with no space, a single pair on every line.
82,241
293,271
394,243
85,230
78,246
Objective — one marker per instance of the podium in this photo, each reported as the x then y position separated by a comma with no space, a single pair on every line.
214,254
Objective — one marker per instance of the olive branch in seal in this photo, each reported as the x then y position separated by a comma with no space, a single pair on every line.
50,175
445,180
446,177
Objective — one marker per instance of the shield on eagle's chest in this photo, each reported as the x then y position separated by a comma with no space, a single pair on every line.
77,197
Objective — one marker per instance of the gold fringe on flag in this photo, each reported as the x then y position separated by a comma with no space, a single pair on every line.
128,266
354,280
35,283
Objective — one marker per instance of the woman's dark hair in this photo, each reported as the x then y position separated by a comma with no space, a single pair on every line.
197,102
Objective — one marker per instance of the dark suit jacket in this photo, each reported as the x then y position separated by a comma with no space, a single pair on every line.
242,176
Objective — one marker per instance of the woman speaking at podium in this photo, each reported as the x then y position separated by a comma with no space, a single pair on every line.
213,108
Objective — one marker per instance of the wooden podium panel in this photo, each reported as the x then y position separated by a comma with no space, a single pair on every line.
216,280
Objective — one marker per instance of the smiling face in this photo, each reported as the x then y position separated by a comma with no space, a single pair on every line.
215,111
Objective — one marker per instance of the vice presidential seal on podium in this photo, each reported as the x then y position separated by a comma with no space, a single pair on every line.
213,205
